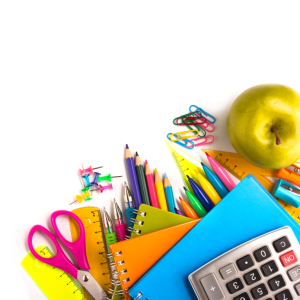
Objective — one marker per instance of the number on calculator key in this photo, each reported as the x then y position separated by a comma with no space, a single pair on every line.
243,296
284,295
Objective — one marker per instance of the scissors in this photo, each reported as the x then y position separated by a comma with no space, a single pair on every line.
60,260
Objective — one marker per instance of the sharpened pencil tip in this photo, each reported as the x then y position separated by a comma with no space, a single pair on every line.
207,154
165,175
127,146
185,188
188,176
202,164
136,154
146,161
156,170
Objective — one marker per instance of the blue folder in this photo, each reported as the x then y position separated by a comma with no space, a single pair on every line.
248,211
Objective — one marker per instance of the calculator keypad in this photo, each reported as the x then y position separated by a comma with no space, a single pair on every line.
262,254
266,270
269,268
252,277
259,291
284,295
234,286
276,283
245,263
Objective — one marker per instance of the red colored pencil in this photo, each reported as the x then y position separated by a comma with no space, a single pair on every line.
151,185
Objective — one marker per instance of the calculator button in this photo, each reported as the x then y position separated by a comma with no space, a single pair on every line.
284,295
294,273
211,287
234,286
243,296
276,283
288,259
269,268
297,288
252,277
228,271
262,254
259,291
245,263
281,244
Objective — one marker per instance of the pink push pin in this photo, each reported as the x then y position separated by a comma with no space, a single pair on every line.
102,188
89,170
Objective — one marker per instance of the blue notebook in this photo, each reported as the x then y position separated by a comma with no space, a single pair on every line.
248,211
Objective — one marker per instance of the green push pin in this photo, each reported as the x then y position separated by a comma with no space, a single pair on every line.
107,178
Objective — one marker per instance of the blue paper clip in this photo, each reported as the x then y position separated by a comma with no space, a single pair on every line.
287,192
184,143
205,114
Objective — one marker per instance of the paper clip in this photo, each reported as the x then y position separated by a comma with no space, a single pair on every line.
205,142
191,114
189,120
207,125
179,136
204,113
202,132
184,143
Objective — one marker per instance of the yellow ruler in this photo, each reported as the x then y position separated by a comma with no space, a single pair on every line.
95,243
54,283
240,168
184,165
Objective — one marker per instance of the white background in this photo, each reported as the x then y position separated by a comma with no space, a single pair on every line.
79,80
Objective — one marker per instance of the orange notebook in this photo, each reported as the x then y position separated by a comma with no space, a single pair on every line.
139,254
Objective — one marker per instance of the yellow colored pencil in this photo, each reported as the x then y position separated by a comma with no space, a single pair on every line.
160,192
208,189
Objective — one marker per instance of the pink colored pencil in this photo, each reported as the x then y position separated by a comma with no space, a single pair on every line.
221,173
151,185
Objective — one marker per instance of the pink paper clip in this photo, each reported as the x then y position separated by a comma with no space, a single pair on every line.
205,142
206,125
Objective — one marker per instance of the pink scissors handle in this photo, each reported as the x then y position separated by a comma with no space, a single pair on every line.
77,248
59,260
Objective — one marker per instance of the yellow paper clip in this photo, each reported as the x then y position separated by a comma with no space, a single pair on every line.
179,136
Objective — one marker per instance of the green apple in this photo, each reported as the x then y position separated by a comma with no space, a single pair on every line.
263,125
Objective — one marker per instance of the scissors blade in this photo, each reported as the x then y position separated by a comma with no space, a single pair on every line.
93,288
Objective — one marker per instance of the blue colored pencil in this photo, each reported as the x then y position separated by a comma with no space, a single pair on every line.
169,194
201,195
215,181
133,178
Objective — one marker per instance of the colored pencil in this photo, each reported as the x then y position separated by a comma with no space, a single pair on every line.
141,179
160,192
188,210
201,195
197,206
208,188
179,212
151,186
169,194
215,181
221,173
133,178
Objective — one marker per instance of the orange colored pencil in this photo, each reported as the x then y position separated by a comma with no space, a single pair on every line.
188,210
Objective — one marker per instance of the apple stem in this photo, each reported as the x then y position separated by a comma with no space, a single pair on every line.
274,129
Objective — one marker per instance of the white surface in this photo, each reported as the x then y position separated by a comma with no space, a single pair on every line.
81,79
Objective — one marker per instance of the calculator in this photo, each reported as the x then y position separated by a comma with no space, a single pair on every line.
267,268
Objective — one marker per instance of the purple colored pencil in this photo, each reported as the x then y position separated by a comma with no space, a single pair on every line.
133,178
178,212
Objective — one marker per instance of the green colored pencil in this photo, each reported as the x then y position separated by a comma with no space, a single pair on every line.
141,179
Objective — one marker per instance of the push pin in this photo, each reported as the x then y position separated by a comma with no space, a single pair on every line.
95,180
85,197
87,180
89,170
107,178
102,188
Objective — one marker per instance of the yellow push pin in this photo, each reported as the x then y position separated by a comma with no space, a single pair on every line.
85,197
